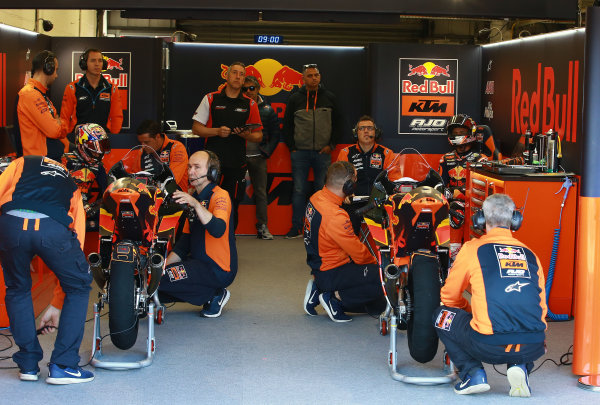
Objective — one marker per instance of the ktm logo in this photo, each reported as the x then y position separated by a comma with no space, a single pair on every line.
271,75
428,106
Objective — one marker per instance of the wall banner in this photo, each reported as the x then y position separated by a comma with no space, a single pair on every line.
427,95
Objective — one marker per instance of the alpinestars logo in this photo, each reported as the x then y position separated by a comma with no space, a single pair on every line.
515,287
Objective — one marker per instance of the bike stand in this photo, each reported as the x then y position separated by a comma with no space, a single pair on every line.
96,356
396,375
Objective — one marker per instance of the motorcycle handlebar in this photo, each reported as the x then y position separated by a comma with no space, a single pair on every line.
368,207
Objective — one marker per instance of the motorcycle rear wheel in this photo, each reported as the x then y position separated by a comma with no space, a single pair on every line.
123,321
424,289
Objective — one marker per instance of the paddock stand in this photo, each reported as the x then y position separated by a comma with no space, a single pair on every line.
96,358
393,362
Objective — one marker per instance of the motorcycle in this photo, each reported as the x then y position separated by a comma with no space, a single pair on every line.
406,227
137,228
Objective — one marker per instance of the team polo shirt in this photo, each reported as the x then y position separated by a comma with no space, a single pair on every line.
368,165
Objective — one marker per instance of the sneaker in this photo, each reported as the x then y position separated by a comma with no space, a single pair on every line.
293,233
311,298
29,375
333,306
262,232
60,375
215,306
518,377
473,384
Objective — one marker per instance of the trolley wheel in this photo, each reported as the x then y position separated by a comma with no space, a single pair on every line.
383,327
160,316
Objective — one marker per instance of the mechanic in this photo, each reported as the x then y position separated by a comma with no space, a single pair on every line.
204,260
505,321
221,118
88,172
38,129
258,153
42,214
311,127
92,98
346,276
170,151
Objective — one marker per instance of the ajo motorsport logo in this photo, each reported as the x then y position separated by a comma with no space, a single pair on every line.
272,76
427,96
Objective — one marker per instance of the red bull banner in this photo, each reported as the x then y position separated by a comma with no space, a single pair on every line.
427,95
118,72
272,76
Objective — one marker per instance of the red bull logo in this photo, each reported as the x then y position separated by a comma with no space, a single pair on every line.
113,64
458,173
272,76
429,70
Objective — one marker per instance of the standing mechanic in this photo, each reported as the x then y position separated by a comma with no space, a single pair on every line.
92,99
346,276
38,128
505,321
222,117
204,260
170,151
311,128
42,214
258,153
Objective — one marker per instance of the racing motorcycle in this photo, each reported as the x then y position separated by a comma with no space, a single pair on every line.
137,226
406,227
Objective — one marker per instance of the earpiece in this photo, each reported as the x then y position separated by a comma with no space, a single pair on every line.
84,57
349,186
478,220
49,66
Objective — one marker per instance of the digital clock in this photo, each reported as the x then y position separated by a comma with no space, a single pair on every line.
268,39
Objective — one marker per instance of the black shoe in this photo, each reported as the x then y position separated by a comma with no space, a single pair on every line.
293,233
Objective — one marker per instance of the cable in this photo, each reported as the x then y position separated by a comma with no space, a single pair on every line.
563,361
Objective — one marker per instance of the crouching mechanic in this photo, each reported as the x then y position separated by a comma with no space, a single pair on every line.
42,214
505,321
204,260
346,276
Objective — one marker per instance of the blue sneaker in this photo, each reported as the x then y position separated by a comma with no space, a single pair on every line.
333,306
66,375
215,306
311,298
473,384
32,375
518,377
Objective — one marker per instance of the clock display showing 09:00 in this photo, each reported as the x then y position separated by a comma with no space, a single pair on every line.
268,39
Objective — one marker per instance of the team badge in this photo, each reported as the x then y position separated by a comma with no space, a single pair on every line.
444,319
512,261
176,273
376,160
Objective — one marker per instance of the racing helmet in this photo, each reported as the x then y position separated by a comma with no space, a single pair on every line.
91,142
464,121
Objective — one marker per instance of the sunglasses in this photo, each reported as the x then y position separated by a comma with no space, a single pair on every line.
310,66
251,88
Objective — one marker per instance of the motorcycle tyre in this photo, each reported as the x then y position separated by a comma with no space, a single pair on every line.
122,315
424,289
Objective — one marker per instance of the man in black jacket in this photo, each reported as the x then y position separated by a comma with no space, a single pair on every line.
258,153
311,128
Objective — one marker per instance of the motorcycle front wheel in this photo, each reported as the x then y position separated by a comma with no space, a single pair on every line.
123,321
424,289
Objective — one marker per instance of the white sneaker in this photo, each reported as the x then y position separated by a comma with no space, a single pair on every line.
262,232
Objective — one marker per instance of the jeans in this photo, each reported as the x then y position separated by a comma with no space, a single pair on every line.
302,161
257,167
60,250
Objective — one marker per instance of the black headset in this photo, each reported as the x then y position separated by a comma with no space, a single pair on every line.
213,173
378,131
349,186
479,220
84,57
49,66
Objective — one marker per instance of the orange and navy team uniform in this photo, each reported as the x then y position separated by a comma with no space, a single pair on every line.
42,214
368,164
505,321
37,132
82,104
208,252
338,259
174,154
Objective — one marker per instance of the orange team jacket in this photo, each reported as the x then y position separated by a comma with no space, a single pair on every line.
28,169
328,236
79,104
507,285
37,120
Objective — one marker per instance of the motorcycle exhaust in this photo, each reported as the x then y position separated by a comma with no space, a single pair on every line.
391,271
156,268
95,262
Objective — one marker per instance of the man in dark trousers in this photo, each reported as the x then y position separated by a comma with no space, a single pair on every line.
505,321
42,214
222,118
311,128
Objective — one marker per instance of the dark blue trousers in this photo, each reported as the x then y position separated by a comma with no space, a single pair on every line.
454,330
60,250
